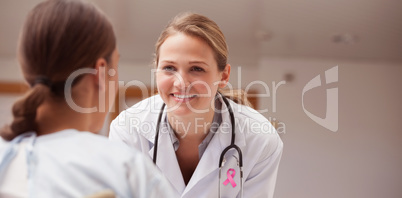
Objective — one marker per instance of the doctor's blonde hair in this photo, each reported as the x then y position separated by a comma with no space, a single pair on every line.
58,38
204,28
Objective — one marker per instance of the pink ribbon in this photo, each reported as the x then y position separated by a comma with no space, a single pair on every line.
230,178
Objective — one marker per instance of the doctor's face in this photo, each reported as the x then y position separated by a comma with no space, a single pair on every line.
187,75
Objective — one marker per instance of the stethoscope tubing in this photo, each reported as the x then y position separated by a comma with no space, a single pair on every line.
221,158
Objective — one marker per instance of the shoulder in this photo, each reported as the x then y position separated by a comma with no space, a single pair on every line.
247,112
147,104
141,111
140,118
256,130
3,143
84,143
84,157
108,150
251,121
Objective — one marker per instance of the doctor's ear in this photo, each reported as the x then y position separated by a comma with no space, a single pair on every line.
225,76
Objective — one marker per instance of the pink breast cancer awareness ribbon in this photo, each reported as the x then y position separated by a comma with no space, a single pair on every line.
230,177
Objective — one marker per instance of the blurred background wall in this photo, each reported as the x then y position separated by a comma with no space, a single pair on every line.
350,143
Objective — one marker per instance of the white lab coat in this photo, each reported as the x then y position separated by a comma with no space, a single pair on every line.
70,163
258,140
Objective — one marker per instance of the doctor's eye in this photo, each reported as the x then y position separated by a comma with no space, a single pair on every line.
168,68
197,69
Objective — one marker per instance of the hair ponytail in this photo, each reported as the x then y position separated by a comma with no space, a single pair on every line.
58,38
239,96
24,112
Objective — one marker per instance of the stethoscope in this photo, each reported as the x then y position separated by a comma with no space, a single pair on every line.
221,159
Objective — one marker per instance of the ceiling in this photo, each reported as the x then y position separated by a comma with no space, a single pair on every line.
341,29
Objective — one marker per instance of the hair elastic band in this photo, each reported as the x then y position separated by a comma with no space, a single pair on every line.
42,80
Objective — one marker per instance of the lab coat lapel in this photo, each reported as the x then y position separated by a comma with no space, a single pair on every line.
167,162
208,163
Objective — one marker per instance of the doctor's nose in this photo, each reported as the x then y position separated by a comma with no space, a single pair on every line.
181,82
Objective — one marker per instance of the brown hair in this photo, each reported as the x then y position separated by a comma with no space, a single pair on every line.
204,28
58,37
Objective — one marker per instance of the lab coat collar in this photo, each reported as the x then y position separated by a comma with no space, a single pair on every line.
151,117
167,162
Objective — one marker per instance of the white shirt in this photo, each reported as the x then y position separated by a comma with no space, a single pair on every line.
260,145
15,173
70,163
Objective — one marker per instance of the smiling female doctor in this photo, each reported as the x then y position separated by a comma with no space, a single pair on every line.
187,136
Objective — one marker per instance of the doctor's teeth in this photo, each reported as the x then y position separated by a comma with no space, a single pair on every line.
184,96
